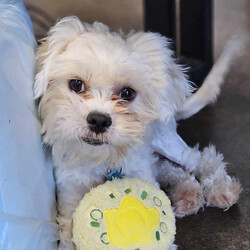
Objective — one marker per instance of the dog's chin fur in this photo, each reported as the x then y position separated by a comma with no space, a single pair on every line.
106,62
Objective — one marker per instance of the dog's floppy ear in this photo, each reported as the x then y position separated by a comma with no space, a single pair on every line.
164,70
59,36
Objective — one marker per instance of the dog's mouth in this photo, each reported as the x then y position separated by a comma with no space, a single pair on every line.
93,142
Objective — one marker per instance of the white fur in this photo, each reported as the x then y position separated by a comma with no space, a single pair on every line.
107,61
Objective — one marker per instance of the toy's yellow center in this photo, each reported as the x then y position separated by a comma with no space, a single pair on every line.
132,223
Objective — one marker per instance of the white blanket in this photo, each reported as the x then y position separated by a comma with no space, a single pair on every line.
27,195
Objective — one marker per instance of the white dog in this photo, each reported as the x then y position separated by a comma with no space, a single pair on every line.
104,95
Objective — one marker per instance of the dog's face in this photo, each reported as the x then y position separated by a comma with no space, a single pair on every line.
99,88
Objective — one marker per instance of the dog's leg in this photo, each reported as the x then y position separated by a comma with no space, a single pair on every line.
72,185
64,223
220,189
64,220
68,199
185,191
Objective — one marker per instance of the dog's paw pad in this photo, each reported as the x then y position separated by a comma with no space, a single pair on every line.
223,193
187,198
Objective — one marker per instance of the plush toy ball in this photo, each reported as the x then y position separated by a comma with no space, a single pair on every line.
124,214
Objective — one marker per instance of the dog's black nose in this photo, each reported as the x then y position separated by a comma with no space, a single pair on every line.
98,122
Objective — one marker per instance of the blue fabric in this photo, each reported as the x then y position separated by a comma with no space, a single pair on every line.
27,189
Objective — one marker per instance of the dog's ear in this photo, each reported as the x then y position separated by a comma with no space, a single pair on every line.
59,36
164,71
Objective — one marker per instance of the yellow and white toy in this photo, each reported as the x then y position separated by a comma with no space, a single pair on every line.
124,214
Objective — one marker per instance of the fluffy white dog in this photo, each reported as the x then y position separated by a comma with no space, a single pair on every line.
103,97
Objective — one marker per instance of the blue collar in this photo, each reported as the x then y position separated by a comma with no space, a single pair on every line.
115,173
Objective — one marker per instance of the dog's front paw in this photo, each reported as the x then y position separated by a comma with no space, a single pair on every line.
224,193
65,233
187,198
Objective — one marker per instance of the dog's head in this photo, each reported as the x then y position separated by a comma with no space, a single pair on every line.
98,87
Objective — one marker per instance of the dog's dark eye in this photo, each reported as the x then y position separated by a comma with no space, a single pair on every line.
76,85
127,94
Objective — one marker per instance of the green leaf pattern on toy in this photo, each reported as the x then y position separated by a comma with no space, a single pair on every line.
96,214
157,201
144,195
163,227
127,191
104,238
94,224
157,235
112,196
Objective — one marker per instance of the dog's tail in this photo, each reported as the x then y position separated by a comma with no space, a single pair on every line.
210,88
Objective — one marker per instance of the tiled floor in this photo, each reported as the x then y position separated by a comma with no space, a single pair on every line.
225,124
